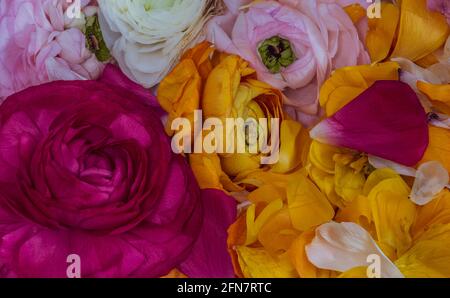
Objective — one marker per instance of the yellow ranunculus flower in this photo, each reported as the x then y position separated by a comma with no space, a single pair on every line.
396,33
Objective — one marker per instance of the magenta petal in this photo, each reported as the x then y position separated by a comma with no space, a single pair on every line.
209,257
387,121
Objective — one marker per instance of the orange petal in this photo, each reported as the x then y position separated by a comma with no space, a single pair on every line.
417,23
381,34
277,234
439,147
300,260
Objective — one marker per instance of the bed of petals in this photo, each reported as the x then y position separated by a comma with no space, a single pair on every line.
87,168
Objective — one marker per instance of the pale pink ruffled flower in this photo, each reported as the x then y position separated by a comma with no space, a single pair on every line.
321,34
38,45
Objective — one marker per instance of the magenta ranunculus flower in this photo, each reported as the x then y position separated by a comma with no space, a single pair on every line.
39,44
86,169
293,45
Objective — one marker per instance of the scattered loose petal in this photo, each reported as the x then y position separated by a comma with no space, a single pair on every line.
419,23
387,120
344,246
431,179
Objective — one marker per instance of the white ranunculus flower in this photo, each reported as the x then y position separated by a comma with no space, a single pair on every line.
146,37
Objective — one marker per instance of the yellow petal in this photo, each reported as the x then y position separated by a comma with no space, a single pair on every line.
254,224
308,207
430,255
325,182
438,94
261,177
267,193
428,60
291,138
258,263
357,272
277,234
393,213
348,183
179,92
322,156
300,260
376,177
434,213
356,12
381,34
201,56
209,174
359,211
417,23
439,147
175,273
222,86
235,163
236,237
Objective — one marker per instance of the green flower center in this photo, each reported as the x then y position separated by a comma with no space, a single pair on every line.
276,53
94,39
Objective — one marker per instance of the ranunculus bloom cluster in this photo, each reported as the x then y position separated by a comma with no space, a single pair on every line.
86,169
293,45
38,46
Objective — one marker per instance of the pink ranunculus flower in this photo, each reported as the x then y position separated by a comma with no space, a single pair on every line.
293,45
86,169
38,45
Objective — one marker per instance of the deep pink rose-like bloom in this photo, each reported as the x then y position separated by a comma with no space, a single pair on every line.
292,44
86,169
38,44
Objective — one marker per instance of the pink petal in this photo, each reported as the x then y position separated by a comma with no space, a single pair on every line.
387,121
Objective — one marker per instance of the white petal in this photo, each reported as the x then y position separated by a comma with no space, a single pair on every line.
431,179
380,163
344,246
